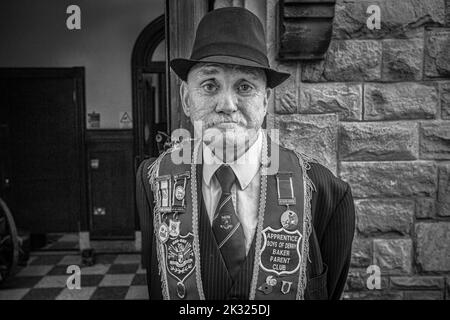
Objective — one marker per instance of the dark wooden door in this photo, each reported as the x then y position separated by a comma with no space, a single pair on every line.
43,115
111,182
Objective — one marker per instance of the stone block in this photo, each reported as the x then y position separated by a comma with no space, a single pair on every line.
314,135
433,246
399,18
404,100
402,59
437,57
418,283
341,98
425,208
350,60
393,256
435,140
384,216
361,252
378,141
444,190
390,179
445,100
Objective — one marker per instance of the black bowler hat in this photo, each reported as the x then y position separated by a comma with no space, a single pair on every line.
231,35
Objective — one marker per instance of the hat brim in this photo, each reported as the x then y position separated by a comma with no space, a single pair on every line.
182,66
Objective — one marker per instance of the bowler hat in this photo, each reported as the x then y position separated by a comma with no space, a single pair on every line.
230,35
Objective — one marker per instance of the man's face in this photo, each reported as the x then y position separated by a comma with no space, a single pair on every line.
231,99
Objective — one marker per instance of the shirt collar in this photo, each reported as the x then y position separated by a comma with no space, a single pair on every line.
245,168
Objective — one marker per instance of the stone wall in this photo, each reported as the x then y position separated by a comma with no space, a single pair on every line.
376,111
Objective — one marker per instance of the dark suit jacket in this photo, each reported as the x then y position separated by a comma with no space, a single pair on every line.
331,239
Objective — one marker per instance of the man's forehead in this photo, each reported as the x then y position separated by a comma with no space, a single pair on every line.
215,68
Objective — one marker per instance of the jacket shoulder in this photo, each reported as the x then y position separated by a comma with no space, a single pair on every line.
326,181
144,167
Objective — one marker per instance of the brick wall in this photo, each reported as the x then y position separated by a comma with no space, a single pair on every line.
376,111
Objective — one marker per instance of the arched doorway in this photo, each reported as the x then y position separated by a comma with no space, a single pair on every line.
150,112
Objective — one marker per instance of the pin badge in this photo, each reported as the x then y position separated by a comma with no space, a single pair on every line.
174,228
265,288
289,220
286,287
225,222
181,290
163,232
271,281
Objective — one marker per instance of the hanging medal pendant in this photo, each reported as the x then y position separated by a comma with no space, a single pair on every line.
285,188
289,219
163,232
164,192
181,290
174,226
179,192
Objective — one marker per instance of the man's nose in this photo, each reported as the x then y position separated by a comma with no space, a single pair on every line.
228,103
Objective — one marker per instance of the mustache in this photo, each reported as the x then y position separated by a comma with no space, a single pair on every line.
218,119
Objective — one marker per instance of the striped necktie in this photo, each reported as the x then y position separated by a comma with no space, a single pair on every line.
226,226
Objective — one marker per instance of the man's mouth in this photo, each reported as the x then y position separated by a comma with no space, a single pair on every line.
226,125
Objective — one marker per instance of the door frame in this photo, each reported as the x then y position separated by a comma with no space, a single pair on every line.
146,43
78,76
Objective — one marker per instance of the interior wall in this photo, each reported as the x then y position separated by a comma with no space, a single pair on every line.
34,34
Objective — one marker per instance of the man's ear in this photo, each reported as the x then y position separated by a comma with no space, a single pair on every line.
266,99
184,95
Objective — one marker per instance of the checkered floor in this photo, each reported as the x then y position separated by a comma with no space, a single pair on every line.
112,277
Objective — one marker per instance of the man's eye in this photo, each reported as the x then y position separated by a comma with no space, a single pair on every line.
209,87
245,88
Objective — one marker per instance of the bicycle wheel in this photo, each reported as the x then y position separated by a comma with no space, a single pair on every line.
9,245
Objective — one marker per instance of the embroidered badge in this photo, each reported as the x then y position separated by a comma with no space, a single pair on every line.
180,257
286,287
280,252
225,222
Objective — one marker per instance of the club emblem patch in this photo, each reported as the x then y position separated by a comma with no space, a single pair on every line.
180,256
280,252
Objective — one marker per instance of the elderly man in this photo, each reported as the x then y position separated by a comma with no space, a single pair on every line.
245,218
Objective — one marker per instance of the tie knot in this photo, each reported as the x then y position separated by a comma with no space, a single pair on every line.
226,177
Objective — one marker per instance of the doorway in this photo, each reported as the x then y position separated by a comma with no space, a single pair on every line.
150,112
42,114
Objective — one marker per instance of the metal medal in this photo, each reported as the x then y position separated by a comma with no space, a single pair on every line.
179,193
174,228
289,220
181,290
163,232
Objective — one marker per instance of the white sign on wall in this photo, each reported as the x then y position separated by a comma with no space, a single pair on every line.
125,121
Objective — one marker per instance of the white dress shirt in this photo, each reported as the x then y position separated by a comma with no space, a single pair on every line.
246,196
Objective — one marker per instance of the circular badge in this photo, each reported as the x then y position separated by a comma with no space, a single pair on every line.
289,220
271,281
179,193
163,232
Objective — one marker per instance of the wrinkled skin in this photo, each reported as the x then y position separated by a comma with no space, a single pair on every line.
228,104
